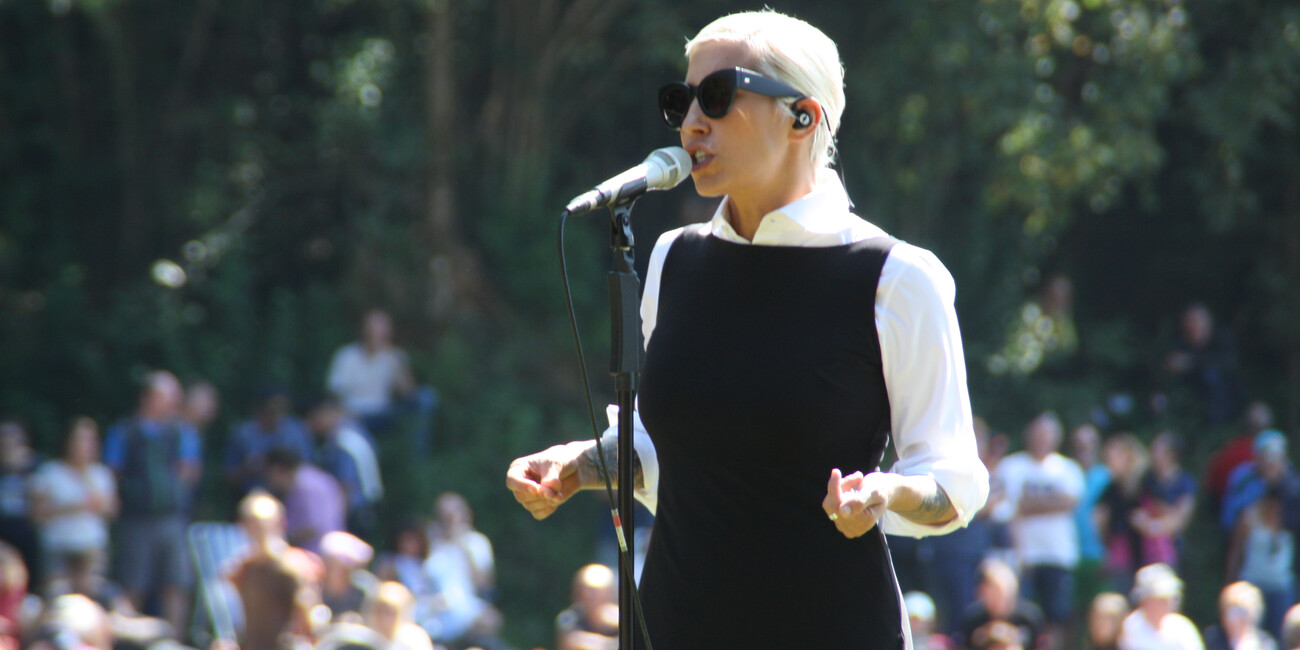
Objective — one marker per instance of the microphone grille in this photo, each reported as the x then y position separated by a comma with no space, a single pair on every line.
676,165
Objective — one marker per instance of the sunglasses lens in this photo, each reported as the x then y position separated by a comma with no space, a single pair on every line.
717,91
674,102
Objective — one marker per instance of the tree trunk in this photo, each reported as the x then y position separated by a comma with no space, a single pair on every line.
456,278
119,58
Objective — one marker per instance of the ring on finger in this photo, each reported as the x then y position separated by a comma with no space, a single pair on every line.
833,516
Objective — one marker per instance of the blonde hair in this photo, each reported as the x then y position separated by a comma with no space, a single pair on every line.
791,51
1243,595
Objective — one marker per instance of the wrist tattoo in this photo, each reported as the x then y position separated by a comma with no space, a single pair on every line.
933,508
589,469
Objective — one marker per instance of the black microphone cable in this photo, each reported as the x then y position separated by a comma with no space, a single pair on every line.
624,555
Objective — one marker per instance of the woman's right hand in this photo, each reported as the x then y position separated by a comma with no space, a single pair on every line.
545,480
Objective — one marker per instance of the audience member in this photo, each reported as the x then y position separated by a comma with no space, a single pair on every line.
156,456
1263,553
405,563
1045,486
954,558
1236,452
73,499
591,622
1156,623
999,508
202,404
313,500
370,375
1241,608
998,603
275,581
1044,333
18,462
1204,358
1270,469
1105,620
1291,628
458,616
388,611
346,583
343,450
1127,460
1168,499
130,628
74,621
272,426
454,525
1085,448
921,622
13,591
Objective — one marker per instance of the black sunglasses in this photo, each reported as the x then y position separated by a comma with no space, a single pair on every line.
716,93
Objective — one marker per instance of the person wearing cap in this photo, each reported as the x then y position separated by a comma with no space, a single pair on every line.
1156,624
920,617
1270,469
1262,553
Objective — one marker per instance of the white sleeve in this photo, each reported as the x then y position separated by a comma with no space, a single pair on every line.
648,494
925,375
337,380
645,449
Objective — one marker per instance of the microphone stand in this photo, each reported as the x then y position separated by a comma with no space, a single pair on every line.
625,365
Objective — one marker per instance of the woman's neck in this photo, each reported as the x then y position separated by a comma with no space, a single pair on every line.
745,210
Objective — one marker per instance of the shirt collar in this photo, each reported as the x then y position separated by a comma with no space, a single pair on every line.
819,218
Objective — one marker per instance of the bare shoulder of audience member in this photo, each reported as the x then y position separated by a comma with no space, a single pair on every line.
274,581
74,621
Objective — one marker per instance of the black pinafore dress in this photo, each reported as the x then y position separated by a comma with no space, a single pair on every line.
762,374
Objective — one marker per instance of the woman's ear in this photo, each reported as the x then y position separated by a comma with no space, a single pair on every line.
807,115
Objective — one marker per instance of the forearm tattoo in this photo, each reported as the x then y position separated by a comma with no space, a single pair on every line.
589,470
934,508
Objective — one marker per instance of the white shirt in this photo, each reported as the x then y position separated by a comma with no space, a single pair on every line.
1175,633
1045,539
920,348
66,487
365,382
356,445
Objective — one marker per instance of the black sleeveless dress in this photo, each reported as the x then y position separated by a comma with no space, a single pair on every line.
762,374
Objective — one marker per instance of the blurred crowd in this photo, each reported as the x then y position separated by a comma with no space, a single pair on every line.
99,547
1084,540
1082,544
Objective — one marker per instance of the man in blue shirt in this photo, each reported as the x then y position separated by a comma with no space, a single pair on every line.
272,426
1251,480
346,451
157,458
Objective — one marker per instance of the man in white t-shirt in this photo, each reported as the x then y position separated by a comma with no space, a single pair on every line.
368,375
1042,488
373,381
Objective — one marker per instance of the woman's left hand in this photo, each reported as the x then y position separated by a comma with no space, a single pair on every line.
855,503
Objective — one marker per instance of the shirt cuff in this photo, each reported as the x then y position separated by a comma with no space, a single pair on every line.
648,495
965,482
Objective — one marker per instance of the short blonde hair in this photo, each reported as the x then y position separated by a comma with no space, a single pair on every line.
791,51
1246,596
